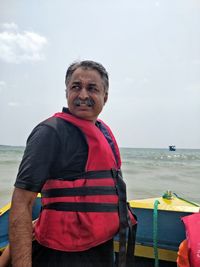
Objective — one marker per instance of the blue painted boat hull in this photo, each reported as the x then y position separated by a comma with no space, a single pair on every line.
4,222
170,230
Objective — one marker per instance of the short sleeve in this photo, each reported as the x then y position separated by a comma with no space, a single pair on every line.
39,155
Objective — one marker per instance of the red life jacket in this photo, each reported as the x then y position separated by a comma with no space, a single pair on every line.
192,226
82,212
183,259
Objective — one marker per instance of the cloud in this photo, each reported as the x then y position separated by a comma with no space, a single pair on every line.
194,88
10,26
129,80
196,61
20,46
13,104
2,85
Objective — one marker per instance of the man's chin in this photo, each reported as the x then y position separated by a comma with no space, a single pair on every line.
84,115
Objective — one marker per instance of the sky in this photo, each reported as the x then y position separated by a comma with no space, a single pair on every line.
151,49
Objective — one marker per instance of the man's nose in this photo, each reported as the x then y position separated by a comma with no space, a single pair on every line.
83,93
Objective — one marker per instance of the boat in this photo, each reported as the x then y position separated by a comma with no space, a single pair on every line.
159,230
172,148
4,215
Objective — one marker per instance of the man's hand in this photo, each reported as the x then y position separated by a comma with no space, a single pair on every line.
20,227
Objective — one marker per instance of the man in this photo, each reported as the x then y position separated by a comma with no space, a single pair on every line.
73,160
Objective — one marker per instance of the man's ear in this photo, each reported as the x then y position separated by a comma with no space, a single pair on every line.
66,93
105,97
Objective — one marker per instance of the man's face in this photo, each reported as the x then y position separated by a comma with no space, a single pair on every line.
86,95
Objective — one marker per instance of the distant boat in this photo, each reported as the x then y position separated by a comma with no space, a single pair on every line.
172,148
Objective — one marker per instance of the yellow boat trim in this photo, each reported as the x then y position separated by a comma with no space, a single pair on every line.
2,249
148,252
5,208
174,204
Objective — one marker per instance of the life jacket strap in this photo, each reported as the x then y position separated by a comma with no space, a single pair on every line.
102,174
79,191
82,207
126,258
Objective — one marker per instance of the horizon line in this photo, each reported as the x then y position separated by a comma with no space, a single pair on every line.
126,147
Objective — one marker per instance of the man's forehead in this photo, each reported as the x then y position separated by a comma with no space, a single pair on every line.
79,81
86,74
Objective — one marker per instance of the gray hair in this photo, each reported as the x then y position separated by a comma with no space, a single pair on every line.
88,64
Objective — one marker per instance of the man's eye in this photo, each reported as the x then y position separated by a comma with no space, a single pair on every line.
93,89
75,87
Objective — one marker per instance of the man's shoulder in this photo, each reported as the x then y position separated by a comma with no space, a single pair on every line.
53,129
56,123
52,122
60,126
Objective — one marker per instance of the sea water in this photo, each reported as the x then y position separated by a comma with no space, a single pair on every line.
151,172
147,172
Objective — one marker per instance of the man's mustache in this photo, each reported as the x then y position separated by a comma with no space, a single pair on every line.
88,102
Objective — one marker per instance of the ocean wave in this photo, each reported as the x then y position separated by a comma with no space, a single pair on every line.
129,155
9,162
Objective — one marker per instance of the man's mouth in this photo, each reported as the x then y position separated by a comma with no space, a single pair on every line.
87,102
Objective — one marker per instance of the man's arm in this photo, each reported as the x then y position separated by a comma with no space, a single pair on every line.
20,227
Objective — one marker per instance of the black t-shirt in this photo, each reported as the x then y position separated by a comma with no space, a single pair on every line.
54,149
